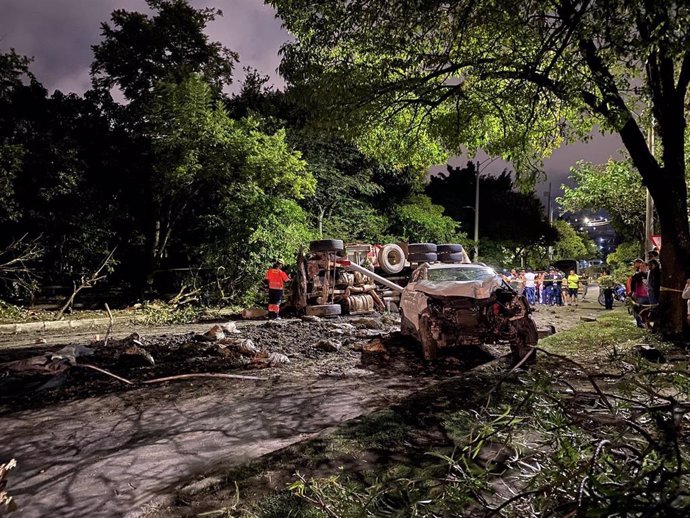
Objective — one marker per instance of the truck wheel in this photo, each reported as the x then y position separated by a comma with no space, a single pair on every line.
429,345
324,310
421,248
391,259
422,258
455,257
326,245
451,248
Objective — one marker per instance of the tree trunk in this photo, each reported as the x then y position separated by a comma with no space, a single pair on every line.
675,257
667,187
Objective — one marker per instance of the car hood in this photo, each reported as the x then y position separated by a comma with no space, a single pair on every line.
473,289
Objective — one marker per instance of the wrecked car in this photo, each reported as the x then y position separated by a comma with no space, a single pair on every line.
448,305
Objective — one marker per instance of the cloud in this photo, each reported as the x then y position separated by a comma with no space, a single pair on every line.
59,35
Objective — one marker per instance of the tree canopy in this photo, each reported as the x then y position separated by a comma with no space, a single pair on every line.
516,78
139,50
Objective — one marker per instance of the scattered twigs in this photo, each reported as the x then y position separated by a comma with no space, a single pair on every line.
591,379
498,384
110,325
85,282
184,297
15,259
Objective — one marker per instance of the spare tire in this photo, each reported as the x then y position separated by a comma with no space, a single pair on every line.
391,259
449,248
451,258
421,248
324,310
422,258
326,245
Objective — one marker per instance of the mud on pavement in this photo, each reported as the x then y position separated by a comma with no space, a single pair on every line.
94,446
43,375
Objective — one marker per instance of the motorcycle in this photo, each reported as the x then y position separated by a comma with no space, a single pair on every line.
619,295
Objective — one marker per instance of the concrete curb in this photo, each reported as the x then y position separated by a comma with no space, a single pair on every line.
58,325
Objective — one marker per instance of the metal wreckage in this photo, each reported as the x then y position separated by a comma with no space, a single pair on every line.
444,300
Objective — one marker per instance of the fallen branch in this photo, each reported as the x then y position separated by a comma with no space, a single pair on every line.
110,325
89,366
172,378
86,283
205,375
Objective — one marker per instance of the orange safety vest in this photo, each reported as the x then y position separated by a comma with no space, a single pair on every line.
276,278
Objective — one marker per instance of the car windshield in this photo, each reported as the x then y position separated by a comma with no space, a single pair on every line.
460,274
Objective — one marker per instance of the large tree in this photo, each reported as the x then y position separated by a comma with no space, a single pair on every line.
171,74
139,50
515,77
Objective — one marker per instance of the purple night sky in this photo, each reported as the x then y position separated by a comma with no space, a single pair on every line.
59,35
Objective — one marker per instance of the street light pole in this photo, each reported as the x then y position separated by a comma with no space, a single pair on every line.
550,211
476,217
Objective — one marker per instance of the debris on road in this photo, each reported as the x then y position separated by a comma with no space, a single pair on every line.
7,503
330,345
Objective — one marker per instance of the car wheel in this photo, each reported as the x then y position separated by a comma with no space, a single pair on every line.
421,248
324,310
429,345
326,245
422,258
391,259
527,337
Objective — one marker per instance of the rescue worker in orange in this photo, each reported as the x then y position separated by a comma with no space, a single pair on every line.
275,278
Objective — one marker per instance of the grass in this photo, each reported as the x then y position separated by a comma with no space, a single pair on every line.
613,331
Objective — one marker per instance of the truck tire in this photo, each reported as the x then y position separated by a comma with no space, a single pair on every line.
451,248
391,259
421,248
455,257
422,258
324,310
326,245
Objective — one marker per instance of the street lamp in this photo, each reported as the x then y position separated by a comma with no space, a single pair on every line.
480,167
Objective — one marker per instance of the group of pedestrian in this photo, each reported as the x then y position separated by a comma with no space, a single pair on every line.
550,287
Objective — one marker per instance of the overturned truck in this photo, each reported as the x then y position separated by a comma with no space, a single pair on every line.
326,287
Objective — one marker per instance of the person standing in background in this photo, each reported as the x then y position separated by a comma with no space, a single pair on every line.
530,285
573,282
276,279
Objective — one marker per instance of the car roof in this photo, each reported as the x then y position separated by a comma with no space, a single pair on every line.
439,266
